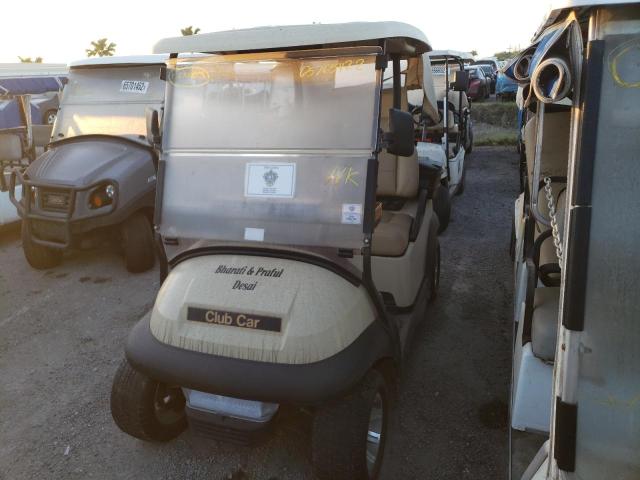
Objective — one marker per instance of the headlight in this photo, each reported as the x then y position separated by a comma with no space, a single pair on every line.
102,196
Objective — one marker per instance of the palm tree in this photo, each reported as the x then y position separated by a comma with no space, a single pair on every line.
189,31
474,52
101,48
29,60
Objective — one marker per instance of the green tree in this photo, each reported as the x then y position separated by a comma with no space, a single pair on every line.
189,31
29,60
474,52
506,55
101,48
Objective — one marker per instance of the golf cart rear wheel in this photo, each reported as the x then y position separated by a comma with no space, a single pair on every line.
144,408
442,206
469,147
349,435
137,236
39,256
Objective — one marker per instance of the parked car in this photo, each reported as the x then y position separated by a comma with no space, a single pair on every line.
490,75
479,85
506,87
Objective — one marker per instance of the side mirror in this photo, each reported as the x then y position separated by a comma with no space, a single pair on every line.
401,134
153,126
460,81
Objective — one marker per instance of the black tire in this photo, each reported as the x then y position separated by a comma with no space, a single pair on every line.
442,206
137,238
39,256
340,432
144,408
463,178
470,141
433,260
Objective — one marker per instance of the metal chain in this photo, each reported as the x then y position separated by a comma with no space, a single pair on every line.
557,241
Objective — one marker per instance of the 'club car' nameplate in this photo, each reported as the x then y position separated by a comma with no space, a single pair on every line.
234,319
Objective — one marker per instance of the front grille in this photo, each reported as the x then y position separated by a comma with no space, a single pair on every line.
56,200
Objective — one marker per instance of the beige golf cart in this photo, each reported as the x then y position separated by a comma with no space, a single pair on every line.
576,363
300,243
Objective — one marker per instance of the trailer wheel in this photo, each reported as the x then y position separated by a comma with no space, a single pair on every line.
139,250
144,408
39,256
49,117
349,435
460,189
442,206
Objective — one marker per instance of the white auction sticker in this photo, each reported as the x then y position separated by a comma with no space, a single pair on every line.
270,180
352,213
134,86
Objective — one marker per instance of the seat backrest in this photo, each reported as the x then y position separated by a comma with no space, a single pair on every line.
10,147
41,134
397,176
454,99
554,157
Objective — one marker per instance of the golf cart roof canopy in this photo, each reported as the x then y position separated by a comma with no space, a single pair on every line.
436,55
559,8
31,78
129,60
410,40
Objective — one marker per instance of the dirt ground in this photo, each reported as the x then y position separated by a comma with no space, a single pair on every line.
62,334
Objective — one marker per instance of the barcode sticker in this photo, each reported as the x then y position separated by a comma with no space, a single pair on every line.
134,86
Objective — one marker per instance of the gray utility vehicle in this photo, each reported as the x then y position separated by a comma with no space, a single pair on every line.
98,174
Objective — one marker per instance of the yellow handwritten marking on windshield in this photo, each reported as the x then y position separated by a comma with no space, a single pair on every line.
325,68
614,58
346,175
188,76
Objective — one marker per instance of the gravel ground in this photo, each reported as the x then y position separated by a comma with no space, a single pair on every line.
62,332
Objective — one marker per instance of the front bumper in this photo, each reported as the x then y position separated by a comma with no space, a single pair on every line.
56,228
303,384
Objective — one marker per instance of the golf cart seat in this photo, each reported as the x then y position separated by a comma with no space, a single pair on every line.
41,137
555,145
11,154
544,323
397,179
548,263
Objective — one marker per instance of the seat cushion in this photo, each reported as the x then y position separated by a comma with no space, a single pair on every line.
391,235
544,323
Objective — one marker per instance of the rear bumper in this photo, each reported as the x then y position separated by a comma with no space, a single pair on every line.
304,384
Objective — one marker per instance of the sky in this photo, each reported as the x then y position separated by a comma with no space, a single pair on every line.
61,31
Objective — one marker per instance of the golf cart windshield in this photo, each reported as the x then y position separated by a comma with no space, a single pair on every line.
271,146
109,101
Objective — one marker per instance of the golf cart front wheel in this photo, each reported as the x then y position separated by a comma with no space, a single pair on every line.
144,408
349,435
39,256
137,237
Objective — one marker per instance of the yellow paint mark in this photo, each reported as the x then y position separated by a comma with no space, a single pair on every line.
346,175
614,58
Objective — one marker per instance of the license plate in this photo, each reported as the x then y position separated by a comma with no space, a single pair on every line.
234,319
56,201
